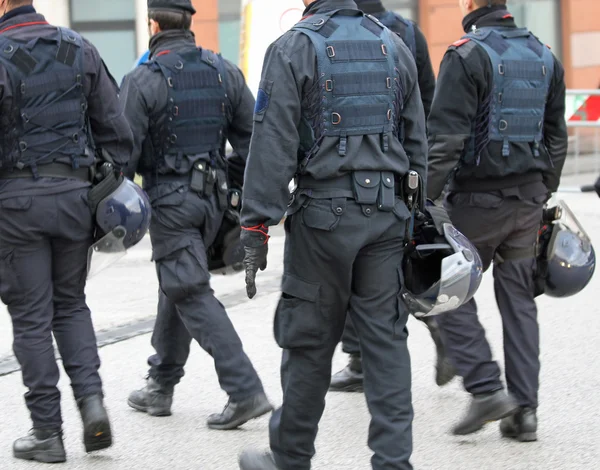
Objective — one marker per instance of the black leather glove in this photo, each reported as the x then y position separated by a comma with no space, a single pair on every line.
256,248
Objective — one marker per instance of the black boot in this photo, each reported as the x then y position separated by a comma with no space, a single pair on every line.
254,460
42,446
237,413
96,426
154,399
444,370
521,426
485,408
350,378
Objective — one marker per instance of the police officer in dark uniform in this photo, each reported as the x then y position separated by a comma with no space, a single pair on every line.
339,109
182,105
498,134
350,379
57,101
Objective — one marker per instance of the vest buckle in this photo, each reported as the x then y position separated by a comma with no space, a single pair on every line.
330,52
384,49
336,119
328,85
501,69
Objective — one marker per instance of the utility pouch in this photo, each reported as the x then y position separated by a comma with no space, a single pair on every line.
211,179
198,183
366,186
387,195
222,190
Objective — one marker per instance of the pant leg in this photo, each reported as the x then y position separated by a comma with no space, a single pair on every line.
513,285
178,233
309,321
72,322
26,289
350,344
171,341
380,317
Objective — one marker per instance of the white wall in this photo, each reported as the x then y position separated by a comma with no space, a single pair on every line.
55,11
141,25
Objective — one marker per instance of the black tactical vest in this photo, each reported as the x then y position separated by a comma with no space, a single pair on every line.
47,120
194,122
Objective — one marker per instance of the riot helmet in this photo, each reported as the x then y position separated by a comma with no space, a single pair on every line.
122,219
565,256
442,268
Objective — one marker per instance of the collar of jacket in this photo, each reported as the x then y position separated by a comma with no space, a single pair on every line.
323,6
371,7
496,15
17,12
173,39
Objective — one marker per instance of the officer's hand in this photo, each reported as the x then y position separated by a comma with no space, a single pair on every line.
255,245
255,259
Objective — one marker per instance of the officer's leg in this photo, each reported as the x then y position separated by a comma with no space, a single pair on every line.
185,281
486,220
72,323
309,321
350,378
513,285
380,319
171,341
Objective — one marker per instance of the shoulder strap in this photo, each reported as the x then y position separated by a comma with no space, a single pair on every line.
69,42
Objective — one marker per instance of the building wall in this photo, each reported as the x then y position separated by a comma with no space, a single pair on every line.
206,23
581,43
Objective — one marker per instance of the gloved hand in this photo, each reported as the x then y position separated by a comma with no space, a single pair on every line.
255,245
597,186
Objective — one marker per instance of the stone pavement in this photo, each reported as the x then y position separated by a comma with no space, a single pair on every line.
123,300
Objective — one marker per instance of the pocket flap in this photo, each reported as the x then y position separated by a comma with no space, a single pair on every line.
19,203
367,179
162,250
401,210
387,179
296,287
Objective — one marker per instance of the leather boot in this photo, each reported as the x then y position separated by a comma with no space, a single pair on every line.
237,413
444,370
485,408
253,460
42,446
521,426
96,425
154,399
350,378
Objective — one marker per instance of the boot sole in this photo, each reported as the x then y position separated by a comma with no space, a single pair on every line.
252,414
358,388
488,419
97,436
151,411
41,456
522,437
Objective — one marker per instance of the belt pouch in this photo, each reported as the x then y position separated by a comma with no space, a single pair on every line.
387,195
366,186
198,183
222,190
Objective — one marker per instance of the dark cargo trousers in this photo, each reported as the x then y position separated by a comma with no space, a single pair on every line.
505,226
340,257
182,225
44,242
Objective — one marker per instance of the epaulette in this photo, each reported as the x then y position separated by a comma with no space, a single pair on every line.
460,42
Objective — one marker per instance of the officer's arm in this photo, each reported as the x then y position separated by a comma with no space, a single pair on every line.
555,127
110,130
242,109
273,154
449,126
135,109
425,71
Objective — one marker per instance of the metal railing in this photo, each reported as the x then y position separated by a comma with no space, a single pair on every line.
584,138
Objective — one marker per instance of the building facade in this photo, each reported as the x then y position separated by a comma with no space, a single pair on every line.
119,28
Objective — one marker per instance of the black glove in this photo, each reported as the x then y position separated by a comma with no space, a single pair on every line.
255,245
597,186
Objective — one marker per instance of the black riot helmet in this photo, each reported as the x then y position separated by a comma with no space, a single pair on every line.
442,268
565,256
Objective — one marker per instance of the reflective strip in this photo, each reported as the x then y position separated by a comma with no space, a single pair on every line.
523,69
360,83
523,98
345,51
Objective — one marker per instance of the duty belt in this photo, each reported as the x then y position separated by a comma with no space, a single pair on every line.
50,170
365,187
